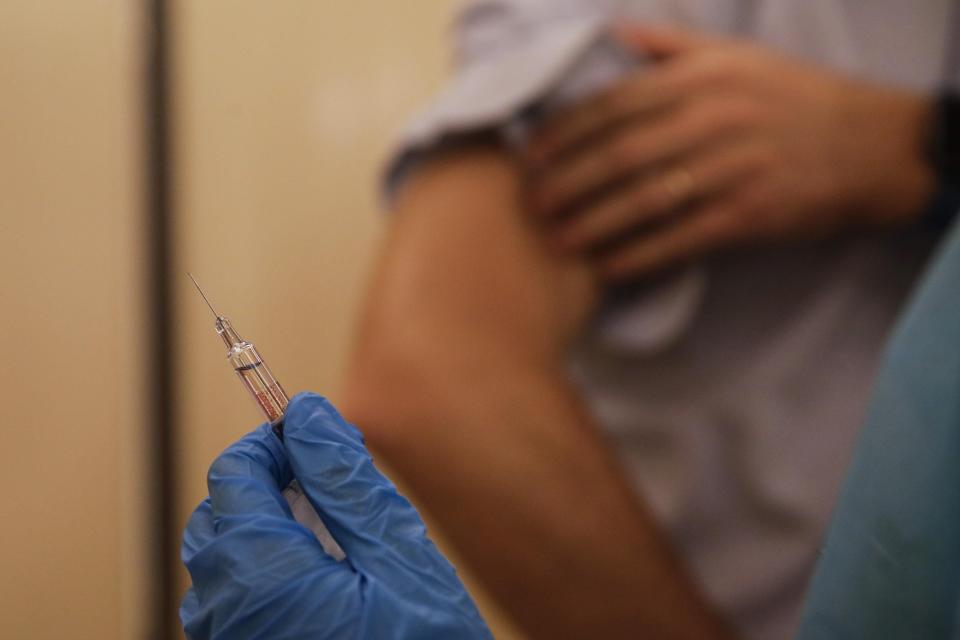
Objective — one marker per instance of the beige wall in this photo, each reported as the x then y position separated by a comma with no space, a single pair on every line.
285,110
72,542
283,113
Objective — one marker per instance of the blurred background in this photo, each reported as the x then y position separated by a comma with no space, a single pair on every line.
238,140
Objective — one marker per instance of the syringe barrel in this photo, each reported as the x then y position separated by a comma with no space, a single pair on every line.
259,381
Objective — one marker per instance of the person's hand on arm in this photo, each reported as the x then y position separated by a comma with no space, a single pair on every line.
719,143
459,380
257,573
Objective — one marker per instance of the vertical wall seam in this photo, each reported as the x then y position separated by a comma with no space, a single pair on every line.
161,415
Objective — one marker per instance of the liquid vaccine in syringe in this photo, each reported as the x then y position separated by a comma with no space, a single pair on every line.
263,386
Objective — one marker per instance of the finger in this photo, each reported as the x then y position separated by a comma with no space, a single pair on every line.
378,528
662,41
257,545
246,483
646,200
642,93
690,238
199,532
638,148
247,479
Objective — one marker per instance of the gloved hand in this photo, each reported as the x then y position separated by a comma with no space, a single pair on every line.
257,573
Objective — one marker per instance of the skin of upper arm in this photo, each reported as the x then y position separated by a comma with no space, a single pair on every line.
464,284
464,249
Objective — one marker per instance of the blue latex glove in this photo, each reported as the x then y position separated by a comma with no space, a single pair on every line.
257,573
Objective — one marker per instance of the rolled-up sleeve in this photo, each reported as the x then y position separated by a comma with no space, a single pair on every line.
510,56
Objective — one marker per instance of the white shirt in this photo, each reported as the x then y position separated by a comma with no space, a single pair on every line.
732,391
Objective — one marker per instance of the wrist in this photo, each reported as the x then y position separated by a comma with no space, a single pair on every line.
905,186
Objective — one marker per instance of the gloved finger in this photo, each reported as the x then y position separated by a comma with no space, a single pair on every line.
247,480
379,529
252,520
199,531
258,551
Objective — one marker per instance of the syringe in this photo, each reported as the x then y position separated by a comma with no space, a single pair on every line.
272,400
253,371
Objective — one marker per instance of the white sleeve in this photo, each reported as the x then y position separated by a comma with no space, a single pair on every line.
510,56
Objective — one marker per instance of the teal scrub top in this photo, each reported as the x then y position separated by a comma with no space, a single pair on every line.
890,567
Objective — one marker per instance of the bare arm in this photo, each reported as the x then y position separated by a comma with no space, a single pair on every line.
458,380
